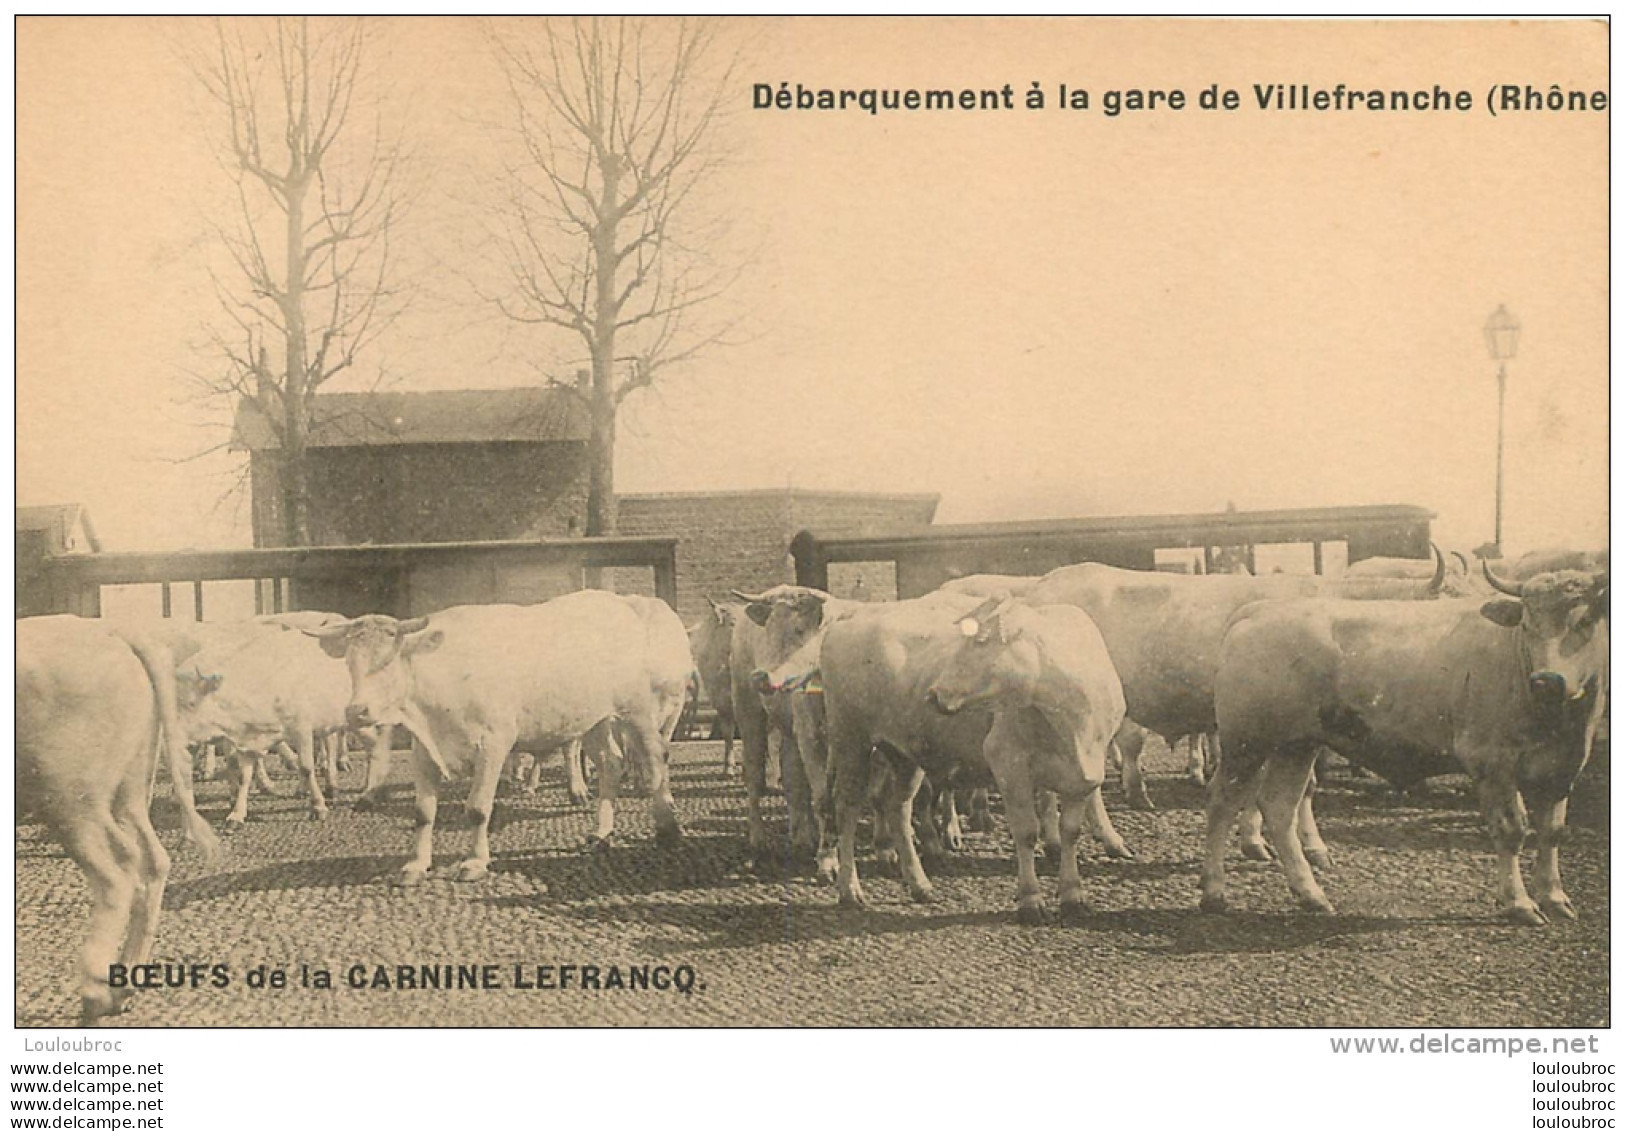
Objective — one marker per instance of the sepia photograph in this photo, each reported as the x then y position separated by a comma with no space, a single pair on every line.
813,523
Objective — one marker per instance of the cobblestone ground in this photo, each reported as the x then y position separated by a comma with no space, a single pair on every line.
1414,941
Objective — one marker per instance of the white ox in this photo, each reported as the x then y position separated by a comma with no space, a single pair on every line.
1512,691
90,704
471,682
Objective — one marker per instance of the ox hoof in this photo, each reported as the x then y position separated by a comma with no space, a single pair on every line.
1074,910
853,901
668,836
828,870
1315,905
1256,850
470,871
411,877
1318,858
594,845
1141,801
1558,907
365,804
1031,915
1524,914
886,860
318,814
579,800
1213,904
1117,850
922,895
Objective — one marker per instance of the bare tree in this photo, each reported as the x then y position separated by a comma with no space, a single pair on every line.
318,184
604,223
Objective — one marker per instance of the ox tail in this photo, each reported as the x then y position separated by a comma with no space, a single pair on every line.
160,667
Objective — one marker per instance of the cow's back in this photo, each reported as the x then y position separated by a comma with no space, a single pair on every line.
273,682
548,671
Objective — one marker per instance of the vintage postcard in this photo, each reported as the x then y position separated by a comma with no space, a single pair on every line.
437,325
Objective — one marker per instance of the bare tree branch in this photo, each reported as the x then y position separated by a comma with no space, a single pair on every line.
319,193
616,121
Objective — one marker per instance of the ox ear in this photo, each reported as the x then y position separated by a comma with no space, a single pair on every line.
1506,613
414,640
814,607
334,646
759,611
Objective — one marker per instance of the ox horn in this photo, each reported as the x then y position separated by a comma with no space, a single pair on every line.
329,631
1438,571
1510,588
740,595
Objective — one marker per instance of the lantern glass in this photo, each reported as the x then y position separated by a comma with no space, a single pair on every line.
1501,334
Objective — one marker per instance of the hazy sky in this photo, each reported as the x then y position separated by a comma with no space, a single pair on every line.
1036,313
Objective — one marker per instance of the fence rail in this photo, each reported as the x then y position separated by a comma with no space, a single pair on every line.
401,580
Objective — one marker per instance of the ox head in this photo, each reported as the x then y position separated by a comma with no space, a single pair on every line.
375,650
793,620
722,613
996,661
1563,621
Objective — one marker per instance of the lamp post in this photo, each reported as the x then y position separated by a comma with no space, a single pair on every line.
1501,335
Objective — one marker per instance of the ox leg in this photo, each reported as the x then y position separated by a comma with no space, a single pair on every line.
1286,777
610,760
1314,848
798,796
575,765
1251,830
1048,807
906,784
490,753
753,728
1508,826
1199,759
1550,819
244,765
654,757
210,758
953,834
1100,826
331,744
849,755
812,745
532,784
426,790
378,741
307,766
103,852
152,871
1128,746
1015,782
1227,795
727,725
981,811
1075,813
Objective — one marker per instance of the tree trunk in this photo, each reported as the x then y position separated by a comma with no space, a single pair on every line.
296,404
601,475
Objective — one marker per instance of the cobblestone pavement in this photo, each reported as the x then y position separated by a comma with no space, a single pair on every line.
1414,942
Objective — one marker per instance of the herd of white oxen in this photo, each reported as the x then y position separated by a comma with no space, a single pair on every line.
909,710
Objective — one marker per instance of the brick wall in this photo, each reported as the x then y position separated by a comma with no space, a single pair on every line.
741,540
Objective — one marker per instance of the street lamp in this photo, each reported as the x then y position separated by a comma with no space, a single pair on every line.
1501,335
